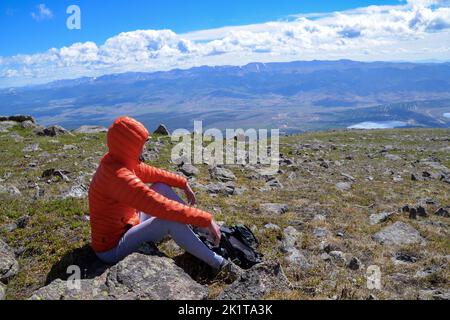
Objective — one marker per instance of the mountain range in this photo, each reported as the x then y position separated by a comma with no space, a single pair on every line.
293,96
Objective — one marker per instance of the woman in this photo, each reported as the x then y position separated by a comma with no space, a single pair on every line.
126,212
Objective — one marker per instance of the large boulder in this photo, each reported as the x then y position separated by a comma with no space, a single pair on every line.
8,263
18,118
398,233
28,125
162,130
137,277
90,129
51,131
257,282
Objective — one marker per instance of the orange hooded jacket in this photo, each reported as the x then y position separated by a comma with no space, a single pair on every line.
119,189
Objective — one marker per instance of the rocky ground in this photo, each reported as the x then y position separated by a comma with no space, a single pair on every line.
342,204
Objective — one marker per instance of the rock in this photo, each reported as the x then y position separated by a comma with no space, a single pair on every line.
78,191
28,125
349,177
343,186
398,233
434,294
90,129
319,217
428,271
292,176
354,264
2,292
32,148
10,227
441,295
321,232
69,147
273,183
327,247
221,174
33,164
412,213
421,211
293,255
5,126
49,173
257,282
338,257
264,173
22,222
39,192
181,159
18,118
445,178
10,190
51,131
162,130
137,277
377,218
426,175
273,208
387,149
16,137
442,212
8,263
272,226
151,153
324,164
392,157
228,188
415,211
189,170
404,257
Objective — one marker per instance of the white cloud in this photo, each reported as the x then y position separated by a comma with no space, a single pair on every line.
42,13
416,30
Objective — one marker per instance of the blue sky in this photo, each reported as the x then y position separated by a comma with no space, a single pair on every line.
144,36
103,19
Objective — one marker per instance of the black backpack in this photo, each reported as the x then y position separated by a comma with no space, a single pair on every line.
238,243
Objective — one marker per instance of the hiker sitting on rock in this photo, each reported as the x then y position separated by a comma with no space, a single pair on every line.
126,212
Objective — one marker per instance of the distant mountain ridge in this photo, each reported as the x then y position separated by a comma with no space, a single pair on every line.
293,96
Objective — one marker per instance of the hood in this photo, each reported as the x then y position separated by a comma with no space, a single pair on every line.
126,138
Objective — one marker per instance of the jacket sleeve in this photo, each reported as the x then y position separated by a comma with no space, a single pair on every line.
127,188
149,174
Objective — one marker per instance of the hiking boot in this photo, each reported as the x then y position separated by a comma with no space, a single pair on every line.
229,272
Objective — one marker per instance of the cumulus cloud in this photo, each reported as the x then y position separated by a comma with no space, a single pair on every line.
415,30
42,13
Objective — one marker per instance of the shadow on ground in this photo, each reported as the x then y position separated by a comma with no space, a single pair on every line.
84,258
195,268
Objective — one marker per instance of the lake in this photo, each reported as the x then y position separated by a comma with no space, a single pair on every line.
378,125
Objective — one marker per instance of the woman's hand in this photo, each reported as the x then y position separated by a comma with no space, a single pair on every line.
214,231
190,195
